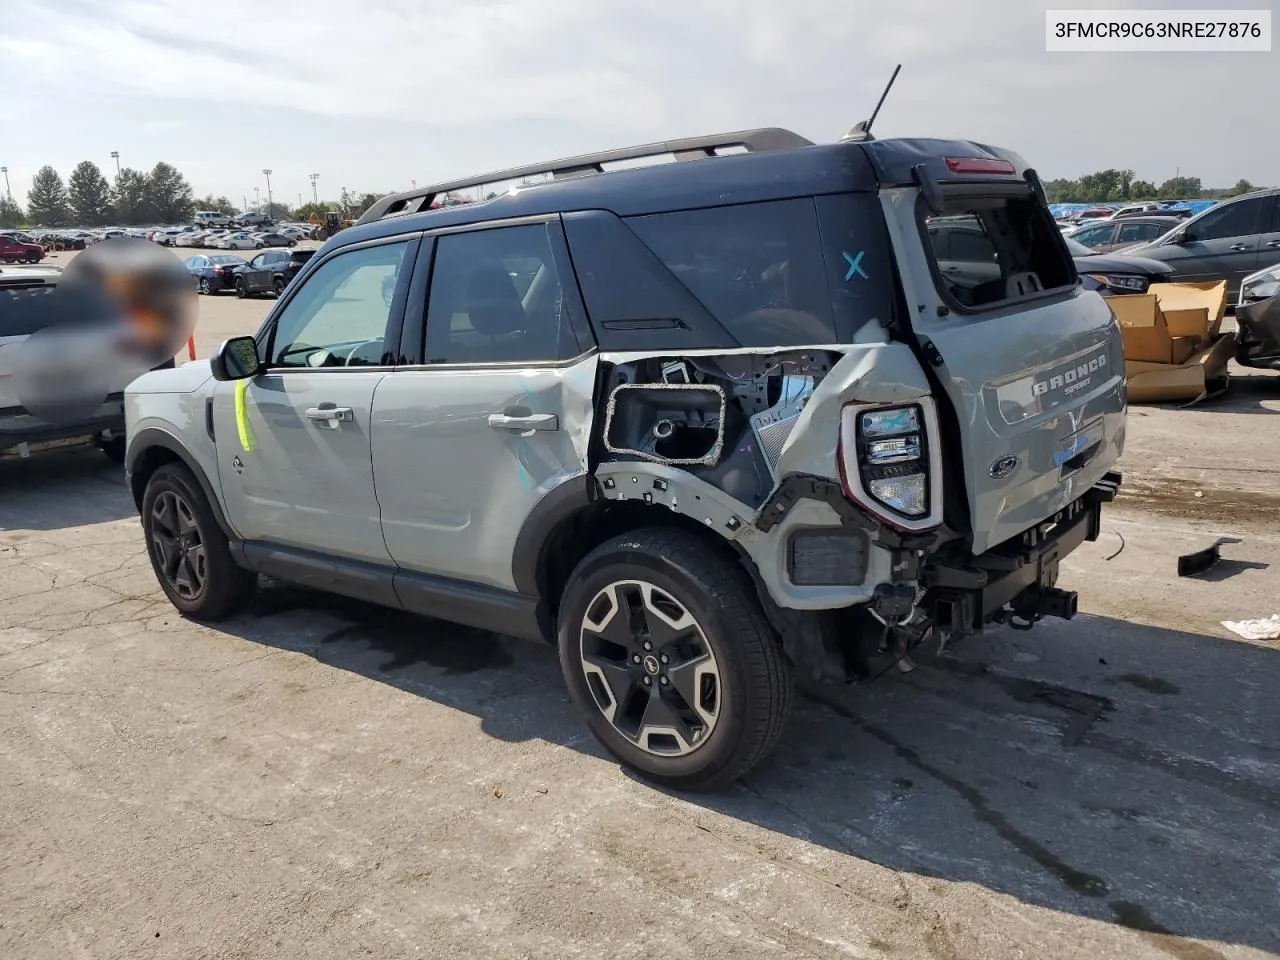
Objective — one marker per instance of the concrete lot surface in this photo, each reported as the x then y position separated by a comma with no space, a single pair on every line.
319,778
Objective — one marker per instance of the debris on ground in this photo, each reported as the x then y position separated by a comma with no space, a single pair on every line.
1268,629
1200,561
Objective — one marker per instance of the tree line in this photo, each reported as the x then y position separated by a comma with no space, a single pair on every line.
1113,185
135,198
88,199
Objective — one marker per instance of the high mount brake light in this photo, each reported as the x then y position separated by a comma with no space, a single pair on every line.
978,165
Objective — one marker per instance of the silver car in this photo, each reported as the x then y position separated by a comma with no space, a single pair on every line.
700,424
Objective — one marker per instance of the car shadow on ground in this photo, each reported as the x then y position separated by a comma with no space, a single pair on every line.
64,487
1100,768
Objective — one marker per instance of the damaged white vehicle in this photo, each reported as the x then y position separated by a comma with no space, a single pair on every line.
776,407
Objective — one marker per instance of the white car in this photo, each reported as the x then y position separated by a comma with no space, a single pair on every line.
294,231
166,238
239,241
211,237
188,239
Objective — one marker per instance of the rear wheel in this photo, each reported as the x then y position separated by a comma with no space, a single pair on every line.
189,552
667,653
204,286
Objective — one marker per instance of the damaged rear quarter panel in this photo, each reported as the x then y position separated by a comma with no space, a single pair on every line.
874,373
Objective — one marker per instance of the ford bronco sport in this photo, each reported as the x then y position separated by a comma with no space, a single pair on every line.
700,424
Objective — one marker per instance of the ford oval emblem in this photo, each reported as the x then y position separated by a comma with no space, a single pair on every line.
1003,467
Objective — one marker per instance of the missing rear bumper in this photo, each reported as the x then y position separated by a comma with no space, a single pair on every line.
1016,582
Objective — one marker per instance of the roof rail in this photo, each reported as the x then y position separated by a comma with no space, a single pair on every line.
693,148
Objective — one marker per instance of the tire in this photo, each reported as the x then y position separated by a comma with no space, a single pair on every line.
241,290
292,243
208,586
33,258
722,653
278,286
204,287
113,448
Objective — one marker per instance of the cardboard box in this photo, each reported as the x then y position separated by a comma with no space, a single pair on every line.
1143,328
1203,374
1192,309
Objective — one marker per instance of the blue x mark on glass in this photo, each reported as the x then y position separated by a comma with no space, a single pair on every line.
855,266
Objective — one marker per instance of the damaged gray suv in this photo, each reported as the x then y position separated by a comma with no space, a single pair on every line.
702,424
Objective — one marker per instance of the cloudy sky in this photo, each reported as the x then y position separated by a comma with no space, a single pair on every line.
372,94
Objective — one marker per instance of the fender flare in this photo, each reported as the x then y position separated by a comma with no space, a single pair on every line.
153,437
556,506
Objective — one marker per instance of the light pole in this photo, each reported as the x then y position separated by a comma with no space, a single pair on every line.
267,173
313,177
115,155
299,199
7,192
257,199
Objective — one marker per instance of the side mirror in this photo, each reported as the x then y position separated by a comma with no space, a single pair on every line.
235,359
1179,238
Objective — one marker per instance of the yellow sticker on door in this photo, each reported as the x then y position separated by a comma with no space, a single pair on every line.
242,418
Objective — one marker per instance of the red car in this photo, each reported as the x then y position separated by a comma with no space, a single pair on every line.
13,250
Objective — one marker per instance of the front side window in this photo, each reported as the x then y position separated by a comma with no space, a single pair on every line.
1242,218
1097,236
996,249
1138,232
339,317
497,297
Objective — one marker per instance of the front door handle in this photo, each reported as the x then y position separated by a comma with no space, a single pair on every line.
533,421
1274,243
330,416
1238,247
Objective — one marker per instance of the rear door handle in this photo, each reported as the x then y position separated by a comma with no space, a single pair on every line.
332,417
533,421
1238,247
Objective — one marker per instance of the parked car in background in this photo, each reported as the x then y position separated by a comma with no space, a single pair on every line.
29,415
214,272
1258,320
250,218
212,218
238,241
294,230
1116,234
297,260
276,239
1113,273
1229,241
13,250
166,238
262,274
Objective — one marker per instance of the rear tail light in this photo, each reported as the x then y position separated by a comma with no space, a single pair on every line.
978,165
890,462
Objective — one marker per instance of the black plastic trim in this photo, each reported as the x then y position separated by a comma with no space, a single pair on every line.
556,506
155,437
350,578
470,604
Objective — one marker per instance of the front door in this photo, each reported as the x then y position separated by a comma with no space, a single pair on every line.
293,448
465,446
1222,244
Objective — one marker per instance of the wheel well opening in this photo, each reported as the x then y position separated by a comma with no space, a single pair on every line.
151,460
579,534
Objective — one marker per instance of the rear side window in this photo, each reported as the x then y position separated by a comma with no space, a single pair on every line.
757,268
497,297
994,250
1241,218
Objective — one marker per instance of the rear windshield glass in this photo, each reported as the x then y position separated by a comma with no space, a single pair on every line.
992,250
781,273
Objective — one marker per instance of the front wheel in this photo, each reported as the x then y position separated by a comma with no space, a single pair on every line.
278,286
667,652
204,287
241,290
189,552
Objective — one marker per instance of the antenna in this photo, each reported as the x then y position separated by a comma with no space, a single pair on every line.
862,129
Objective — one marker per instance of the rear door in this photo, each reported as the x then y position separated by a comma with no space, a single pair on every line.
467,444
1032,365
1269,242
